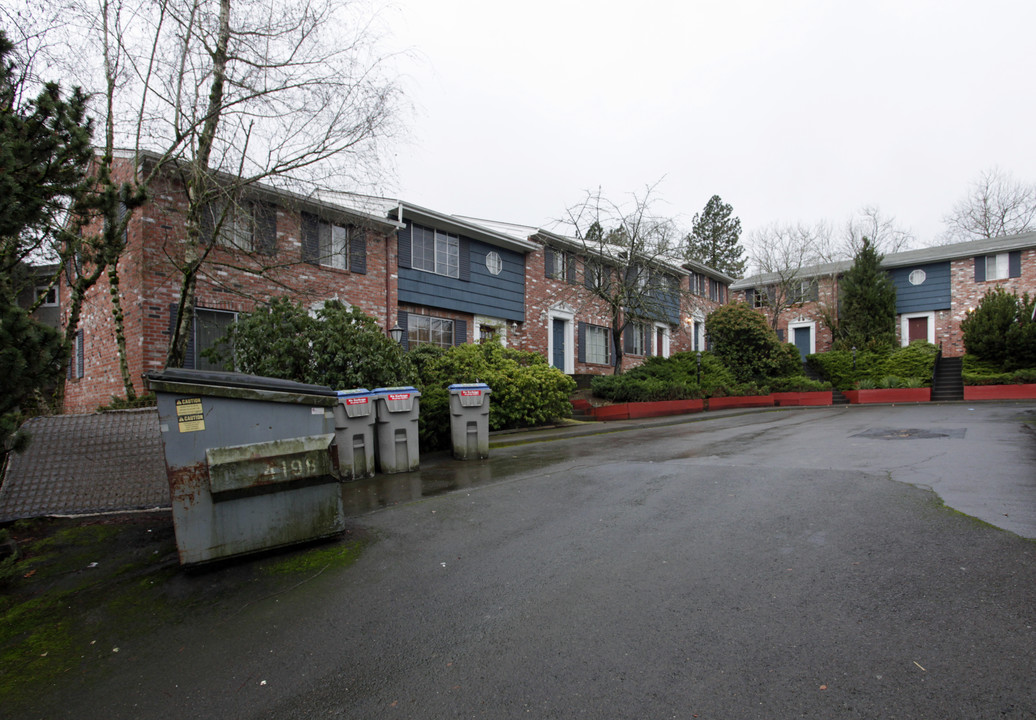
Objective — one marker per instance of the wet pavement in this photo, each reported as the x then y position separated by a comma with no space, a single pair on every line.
787,563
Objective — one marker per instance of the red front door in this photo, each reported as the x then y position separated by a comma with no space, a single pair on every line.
917,329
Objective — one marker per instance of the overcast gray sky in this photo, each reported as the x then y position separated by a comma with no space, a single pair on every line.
793,110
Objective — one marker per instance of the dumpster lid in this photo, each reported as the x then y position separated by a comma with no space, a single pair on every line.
458,387
238,380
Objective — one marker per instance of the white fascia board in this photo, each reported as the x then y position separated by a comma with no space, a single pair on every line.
452,223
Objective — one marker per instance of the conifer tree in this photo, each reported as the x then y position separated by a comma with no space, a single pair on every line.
714,239
867,310
44,155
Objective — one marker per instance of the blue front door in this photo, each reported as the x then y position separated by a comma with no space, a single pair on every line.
558,359
803,335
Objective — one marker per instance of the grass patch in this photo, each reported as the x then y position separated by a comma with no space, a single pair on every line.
317,558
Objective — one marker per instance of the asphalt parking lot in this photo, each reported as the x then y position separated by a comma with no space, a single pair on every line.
794,563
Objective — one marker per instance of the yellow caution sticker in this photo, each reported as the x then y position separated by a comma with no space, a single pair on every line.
189,415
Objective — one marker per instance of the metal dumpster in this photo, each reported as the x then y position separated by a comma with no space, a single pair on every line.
354,429
398,409
469,420
250,461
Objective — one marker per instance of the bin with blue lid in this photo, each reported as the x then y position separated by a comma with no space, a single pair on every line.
354,433
396,430
469,420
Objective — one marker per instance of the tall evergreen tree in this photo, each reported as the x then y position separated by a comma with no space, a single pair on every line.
45,151
867,307
44,156
714,239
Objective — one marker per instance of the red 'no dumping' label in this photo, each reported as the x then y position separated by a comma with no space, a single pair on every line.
403,396
470,393
356,401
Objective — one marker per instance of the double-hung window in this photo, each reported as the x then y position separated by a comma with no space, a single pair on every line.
47,295
996,267
598,347
638,339
699,284
236,225
333,241
209,328
246,225
1000,266
435,251
427,330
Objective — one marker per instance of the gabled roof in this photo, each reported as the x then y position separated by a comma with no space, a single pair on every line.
956,251
907,258
713,273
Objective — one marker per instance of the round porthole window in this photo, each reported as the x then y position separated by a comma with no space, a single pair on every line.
494,264
917,277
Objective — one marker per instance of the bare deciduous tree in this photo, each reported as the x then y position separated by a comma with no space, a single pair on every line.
996,205
631,258
221,95
787,257
881,230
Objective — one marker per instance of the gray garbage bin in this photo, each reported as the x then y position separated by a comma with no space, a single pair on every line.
354,429
398,409
250,461
469,420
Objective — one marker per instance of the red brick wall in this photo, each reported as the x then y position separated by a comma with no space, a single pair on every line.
150,284
827,294
966,295
543,293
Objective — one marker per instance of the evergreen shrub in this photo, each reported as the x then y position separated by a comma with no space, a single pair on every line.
526,391
747,344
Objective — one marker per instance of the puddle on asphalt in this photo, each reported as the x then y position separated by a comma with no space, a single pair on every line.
912,433
437,475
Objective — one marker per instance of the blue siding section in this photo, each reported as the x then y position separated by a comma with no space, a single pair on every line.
666,307
501,296
932,294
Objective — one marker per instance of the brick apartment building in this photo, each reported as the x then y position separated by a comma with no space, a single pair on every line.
935,288
443,279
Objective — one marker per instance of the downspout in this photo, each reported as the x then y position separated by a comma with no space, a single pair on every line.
388,270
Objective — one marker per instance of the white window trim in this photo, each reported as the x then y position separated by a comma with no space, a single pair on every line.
1001,267
567,315
665,338
499,324
46,290
904,326
812,325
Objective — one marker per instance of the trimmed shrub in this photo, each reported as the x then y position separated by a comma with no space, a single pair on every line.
912,365
917,360
672,378
800,383
746,343
526,390
1001,330
1024,376
789,362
